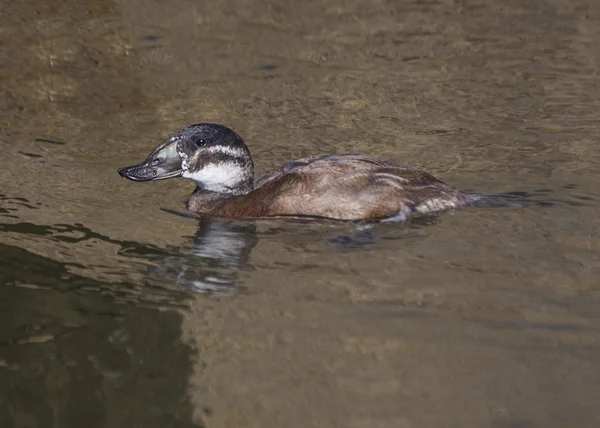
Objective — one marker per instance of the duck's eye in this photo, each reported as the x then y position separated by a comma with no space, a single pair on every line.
200,142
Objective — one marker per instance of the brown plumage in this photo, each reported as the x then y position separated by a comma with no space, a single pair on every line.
342,187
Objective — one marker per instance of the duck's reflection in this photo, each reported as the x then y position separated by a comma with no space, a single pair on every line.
216,255
212,261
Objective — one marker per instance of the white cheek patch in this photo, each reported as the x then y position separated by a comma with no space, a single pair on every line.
235,152
215,177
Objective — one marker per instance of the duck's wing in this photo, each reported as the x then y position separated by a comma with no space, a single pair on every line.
352,187
344,187
315,163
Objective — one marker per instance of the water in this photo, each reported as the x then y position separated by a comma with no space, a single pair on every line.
119,310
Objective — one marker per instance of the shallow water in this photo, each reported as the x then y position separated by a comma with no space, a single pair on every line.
118,310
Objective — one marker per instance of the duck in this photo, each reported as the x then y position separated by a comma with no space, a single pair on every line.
345,187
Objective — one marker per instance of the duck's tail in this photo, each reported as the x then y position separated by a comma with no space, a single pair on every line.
512,199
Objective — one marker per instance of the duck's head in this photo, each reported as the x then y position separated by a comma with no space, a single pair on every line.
212,155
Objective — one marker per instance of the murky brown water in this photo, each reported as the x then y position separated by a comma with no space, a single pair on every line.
115,312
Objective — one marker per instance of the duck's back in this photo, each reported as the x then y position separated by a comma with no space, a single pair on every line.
345,187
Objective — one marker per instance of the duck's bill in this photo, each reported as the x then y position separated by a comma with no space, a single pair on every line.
164,162
143,172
